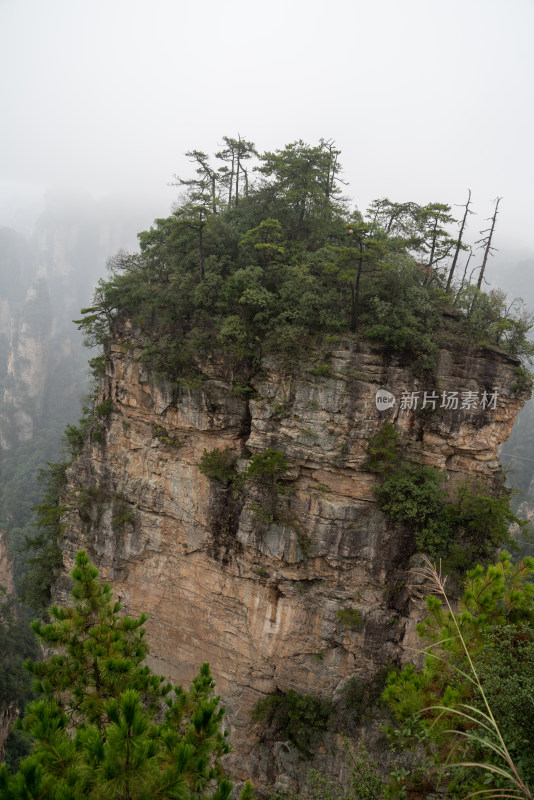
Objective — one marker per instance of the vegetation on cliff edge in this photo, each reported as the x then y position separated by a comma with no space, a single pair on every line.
247,267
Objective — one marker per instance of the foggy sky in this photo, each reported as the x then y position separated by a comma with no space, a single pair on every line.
424,98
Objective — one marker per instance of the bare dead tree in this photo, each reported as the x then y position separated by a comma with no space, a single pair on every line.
485,242
459,242
463,276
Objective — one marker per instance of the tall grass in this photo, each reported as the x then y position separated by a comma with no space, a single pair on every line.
491,737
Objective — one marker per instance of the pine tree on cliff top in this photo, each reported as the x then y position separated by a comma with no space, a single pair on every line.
104,726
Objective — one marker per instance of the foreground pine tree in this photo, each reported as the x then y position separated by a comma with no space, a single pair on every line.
104,726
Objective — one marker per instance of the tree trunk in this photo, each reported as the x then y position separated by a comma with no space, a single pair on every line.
458,244
488,243
237,178
201,248
463,276
213,194
432,252
231,181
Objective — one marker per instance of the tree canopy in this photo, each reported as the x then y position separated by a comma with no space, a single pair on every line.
257,264
103,725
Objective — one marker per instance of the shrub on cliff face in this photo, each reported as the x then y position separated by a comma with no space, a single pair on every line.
219,465
415,495
295,717
362,782
383,450
466,528
268,468
104,726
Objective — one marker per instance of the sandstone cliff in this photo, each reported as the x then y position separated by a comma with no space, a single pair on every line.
257,594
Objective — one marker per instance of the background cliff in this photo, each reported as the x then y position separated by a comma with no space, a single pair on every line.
303,588
46,275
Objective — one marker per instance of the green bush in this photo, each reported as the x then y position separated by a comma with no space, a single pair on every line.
414,494
383,450
350,618
465,529
165,437
321,370
358,701
491,638
482,522
105,408
295,717
219,465
123,516
524,380
267,467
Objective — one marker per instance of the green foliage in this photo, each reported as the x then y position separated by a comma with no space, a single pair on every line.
483,522
414,495
104,725
265,515
247,792
104,408
492,631
295,717
383,450
219,465
468,528
358,701
261,572
47,561
506,668
267,467
265,269
523,380
321,370
164,436
490,319
124,515
350,618
405,314
364,782
16,643
74,436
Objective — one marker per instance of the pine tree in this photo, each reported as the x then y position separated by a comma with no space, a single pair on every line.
104,725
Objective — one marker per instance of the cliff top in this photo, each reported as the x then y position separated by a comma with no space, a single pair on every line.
253,267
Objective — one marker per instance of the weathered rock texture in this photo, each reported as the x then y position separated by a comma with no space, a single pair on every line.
6,565
7,714
223,582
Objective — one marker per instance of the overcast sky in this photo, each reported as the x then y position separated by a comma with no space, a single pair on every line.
424,98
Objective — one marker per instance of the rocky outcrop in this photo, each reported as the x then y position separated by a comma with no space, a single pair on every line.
254,584
7,714
6,566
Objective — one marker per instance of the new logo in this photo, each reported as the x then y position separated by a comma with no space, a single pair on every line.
384,400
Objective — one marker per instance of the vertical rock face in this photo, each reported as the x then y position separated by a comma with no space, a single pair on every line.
255,584
6,566
8,714
44,281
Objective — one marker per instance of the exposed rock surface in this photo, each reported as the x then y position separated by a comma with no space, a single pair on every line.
223,582
7,714
6,565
